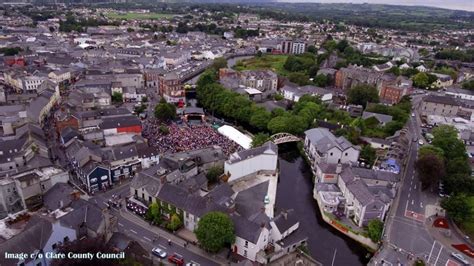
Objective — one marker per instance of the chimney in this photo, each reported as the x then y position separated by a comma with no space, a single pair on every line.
61,204
285,215
338,168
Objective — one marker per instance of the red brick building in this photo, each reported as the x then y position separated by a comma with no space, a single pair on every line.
171,88
393,92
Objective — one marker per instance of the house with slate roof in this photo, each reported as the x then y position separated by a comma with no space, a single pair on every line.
361,194
321,146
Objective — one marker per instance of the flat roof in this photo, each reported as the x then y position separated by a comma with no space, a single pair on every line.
236,136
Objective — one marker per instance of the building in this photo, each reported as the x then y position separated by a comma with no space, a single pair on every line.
439,105
252,161
294,93
349,77
321,146
392,92
171,89
292,46
360,194
381,118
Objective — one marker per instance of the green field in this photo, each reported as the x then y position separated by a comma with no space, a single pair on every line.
272,62
468,226
132,15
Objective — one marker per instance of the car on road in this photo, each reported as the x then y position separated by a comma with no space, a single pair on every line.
192,263
412,114
176,259
420,142
460,258
159,252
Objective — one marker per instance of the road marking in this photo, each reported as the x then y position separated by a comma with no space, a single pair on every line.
421,204
120,224
161,246
411,183
409,194
412,203
133,231
147,238
178,254
415,186
409,190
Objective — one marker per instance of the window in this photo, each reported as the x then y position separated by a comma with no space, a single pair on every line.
330,154
66,239
245,253
346,153
54,246
246,244
149,198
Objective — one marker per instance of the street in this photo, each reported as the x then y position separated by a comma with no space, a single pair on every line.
406,236
149,236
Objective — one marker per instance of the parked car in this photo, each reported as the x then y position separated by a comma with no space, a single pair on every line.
159,252
420,142
176,259
460,258
192,264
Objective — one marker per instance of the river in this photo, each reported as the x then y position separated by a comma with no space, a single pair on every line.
295,191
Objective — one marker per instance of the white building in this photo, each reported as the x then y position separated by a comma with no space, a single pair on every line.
298,47
252,161
322,146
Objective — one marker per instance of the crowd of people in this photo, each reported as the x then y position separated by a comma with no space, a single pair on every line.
185,137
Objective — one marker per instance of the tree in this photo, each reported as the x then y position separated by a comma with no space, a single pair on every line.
394,70
312,49
214,173
322,80
430,149
215,230
446,138
457,207
175,223
299,78
130,30
362,94
117,97
375,228
259,53
153,213
368,154
165,111
219,63
342,45
144,99
430,169
260,118
259,139
468,85
421,80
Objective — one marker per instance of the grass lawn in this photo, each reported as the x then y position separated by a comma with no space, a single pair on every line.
132,15
272,62
468,227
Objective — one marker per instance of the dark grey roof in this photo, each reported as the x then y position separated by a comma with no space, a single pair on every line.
448,100
57,195
285,220
117,122
374,174
83,212
251,201
32,238
380,117
268,148
361,192
324,140
246,229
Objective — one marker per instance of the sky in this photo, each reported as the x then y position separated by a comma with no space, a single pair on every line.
467,5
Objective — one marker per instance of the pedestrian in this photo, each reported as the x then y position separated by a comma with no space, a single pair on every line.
169,242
